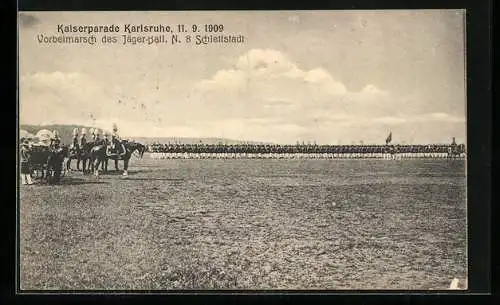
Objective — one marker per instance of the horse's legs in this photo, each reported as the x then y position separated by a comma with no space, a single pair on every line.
125,167
42,175
68,164
95,166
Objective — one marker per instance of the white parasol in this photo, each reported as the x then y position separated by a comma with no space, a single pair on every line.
44,136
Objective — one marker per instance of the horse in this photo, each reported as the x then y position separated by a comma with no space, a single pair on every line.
73,154
99,156
82,155
48,161
55,162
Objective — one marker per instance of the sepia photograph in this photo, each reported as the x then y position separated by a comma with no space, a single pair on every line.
242,150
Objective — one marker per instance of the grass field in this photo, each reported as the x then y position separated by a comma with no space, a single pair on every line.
248,224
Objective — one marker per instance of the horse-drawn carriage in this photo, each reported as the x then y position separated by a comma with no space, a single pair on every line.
46,163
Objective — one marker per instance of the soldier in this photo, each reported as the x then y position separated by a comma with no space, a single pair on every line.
97,135
74,144
83,139
92,134
106,138
55,141
116,145
25,166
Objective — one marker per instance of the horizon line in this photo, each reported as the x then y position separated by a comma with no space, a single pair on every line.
222,139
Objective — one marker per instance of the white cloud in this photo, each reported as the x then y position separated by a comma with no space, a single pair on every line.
443,117
389,120
264,96
69,98
418,120
373,90
267,83
264,68
260,129
230,79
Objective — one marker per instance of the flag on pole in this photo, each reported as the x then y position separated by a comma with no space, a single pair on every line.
388,139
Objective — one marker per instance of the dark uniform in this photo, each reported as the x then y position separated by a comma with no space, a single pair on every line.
106,141
117,146
55,142
83,141
75,145
25,156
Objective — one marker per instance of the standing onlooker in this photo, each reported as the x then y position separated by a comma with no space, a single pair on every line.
25,166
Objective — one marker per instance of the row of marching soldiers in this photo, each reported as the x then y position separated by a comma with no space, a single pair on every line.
164,151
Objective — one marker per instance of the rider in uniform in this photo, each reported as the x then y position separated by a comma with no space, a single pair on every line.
25,166
106,138
55,141
74,144
97,138
92,134
83,139
116,144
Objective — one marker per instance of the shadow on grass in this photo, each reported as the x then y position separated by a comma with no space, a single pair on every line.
153,179
78,181
113,172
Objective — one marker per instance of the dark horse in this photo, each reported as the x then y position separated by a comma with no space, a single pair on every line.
49,161
81,155
99,156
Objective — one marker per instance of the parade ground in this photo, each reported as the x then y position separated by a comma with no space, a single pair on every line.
248,224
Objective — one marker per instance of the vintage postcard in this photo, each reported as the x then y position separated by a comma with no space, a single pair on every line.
266,150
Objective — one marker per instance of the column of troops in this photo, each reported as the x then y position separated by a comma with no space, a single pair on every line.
203,151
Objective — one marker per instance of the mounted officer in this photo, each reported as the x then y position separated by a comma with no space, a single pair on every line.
97,138
74,143
55,141
117,147
92,134
106,138
83,139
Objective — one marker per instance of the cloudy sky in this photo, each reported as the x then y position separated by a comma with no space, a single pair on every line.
330,77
